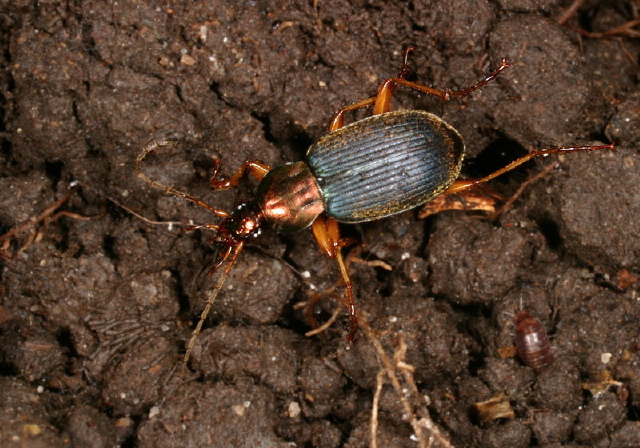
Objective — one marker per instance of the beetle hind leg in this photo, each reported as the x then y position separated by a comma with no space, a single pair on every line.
462,185
472,191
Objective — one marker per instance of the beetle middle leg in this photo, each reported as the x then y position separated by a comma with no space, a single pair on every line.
327,234
383,98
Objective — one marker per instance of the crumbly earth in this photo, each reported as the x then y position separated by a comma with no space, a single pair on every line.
98,304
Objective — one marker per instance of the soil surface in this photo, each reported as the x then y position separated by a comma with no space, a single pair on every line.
99,299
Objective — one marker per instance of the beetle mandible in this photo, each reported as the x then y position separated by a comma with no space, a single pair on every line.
370,169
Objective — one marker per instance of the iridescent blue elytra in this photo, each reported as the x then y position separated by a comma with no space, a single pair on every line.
385,164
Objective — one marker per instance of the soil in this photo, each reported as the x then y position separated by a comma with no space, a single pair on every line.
98,302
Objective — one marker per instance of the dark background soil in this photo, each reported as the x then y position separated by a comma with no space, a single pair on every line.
95,313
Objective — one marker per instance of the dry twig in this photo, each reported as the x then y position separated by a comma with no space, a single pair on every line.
400,375
36,226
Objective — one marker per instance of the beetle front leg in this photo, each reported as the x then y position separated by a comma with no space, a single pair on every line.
257,169
327,234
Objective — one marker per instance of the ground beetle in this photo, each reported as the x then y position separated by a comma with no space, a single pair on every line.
376,167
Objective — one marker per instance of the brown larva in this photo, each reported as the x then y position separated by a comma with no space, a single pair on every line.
532,342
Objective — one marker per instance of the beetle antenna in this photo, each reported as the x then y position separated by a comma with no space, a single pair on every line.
165,188
230,258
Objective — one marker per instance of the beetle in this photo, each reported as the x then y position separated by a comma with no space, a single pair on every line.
367,170
532,342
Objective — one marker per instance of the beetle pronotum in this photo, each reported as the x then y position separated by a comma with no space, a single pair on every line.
370,169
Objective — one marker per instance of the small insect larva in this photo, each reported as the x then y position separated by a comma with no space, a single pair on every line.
532,342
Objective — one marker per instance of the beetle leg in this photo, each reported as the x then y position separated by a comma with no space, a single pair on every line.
338,119
383,99
257,169
482,198
461,185
327,234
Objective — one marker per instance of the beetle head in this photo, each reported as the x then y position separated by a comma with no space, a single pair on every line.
244,222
